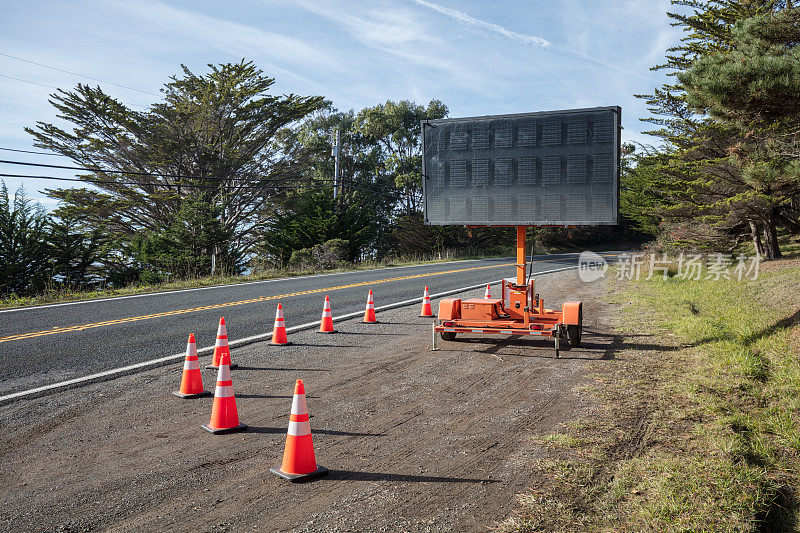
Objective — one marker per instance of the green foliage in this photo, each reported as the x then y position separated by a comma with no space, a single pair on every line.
726,177
396,129
185,249
643,188
756,80
77,253
24,253
213,138
314,218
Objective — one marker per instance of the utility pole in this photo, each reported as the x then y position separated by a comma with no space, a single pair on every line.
337,147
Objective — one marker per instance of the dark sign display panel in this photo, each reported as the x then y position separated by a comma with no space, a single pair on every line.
548,168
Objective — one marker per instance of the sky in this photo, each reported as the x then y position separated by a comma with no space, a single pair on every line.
478,57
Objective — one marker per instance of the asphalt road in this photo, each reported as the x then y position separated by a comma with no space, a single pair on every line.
49,344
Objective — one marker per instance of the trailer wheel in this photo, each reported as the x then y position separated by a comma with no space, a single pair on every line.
448,336
574,331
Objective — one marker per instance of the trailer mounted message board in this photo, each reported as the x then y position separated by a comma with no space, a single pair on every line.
546,168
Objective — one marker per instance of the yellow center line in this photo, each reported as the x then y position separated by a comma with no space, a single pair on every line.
82,327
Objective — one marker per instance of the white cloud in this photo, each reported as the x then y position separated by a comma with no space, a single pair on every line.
394,32
472,21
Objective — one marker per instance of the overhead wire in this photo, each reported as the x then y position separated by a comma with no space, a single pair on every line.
59,88
77,74
290,178
297,183
31,152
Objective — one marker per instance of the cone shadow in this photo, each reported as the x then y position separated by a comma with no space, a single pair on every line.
316,345
282,430
353,475
275,369
238,395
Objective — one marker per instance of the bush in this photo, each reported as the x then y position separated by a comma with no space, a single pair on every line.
329,254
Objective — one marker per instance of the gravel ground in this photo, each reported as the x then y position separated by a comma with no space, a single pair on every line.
415,440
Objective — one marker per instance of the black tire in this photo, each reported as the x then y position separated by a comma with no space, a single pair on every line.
448,336
574,336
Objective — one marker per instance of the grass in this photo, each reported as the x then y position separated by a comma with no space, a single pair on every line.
64,295
697,422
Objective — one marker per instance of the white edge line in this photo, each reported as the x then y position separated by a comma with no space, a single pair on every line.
237,342
210,287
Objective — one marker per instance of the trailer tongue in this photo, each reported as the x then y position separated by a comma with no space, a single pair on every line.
520,311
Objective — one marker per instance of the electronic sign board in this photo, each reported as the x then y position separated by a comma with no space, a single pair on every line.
546,168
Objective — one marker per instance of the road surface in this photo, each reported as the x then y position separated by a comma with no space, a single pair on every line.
49,344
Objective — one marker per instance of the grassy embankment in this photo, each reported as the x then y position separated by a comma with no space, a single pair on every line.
695,424
64,295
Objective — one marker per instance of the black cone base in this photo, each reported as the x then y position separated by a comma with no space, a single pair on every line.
299,478
240,427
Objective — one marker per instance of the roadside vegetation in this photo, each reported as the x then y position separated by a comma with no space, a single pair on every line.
697,420
60,294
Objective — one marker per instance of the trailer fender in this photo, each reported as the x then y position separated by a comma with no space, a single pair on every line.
450,309
571,313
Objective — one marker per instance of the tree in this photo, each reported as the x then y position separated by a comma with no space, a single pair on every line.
77,253
312,218
186,248
24,253
754,86
395,127
213,138
710,173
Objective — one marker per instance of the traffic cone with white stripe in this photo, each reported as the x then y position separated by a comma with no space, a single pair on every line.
224,416
326,325
426,311
192,379
488,294
221,346
369,312
299,463
279,331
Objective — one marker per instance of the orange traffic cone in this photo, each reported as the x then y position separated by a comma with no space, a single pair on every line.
426,311
279,331
326,325
221,346
192,380
369,312
224,417
488,294
299,463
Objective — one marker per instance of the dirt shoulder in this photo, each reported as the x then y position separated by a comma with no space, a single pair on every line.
415,440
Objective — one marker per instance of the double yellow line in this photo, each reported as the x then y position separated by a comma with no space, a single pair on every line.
82,327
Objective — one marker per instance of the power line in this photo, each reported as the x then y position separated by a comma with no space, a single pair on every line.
373,188
58,89
110,171
297,183
29,81
31,152
77,74
189,186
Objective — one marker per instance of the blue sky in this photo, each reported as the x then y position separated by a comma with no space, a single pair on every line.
478,57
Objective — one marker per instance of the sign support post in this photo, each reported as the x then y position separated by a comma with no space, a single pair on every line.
521,257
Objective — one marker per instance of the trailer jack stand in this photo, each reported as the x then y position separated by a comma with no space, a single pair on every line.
558,353
433,331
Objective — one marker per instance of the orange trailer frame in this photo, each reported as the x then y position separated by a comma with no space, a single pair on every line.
519,311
